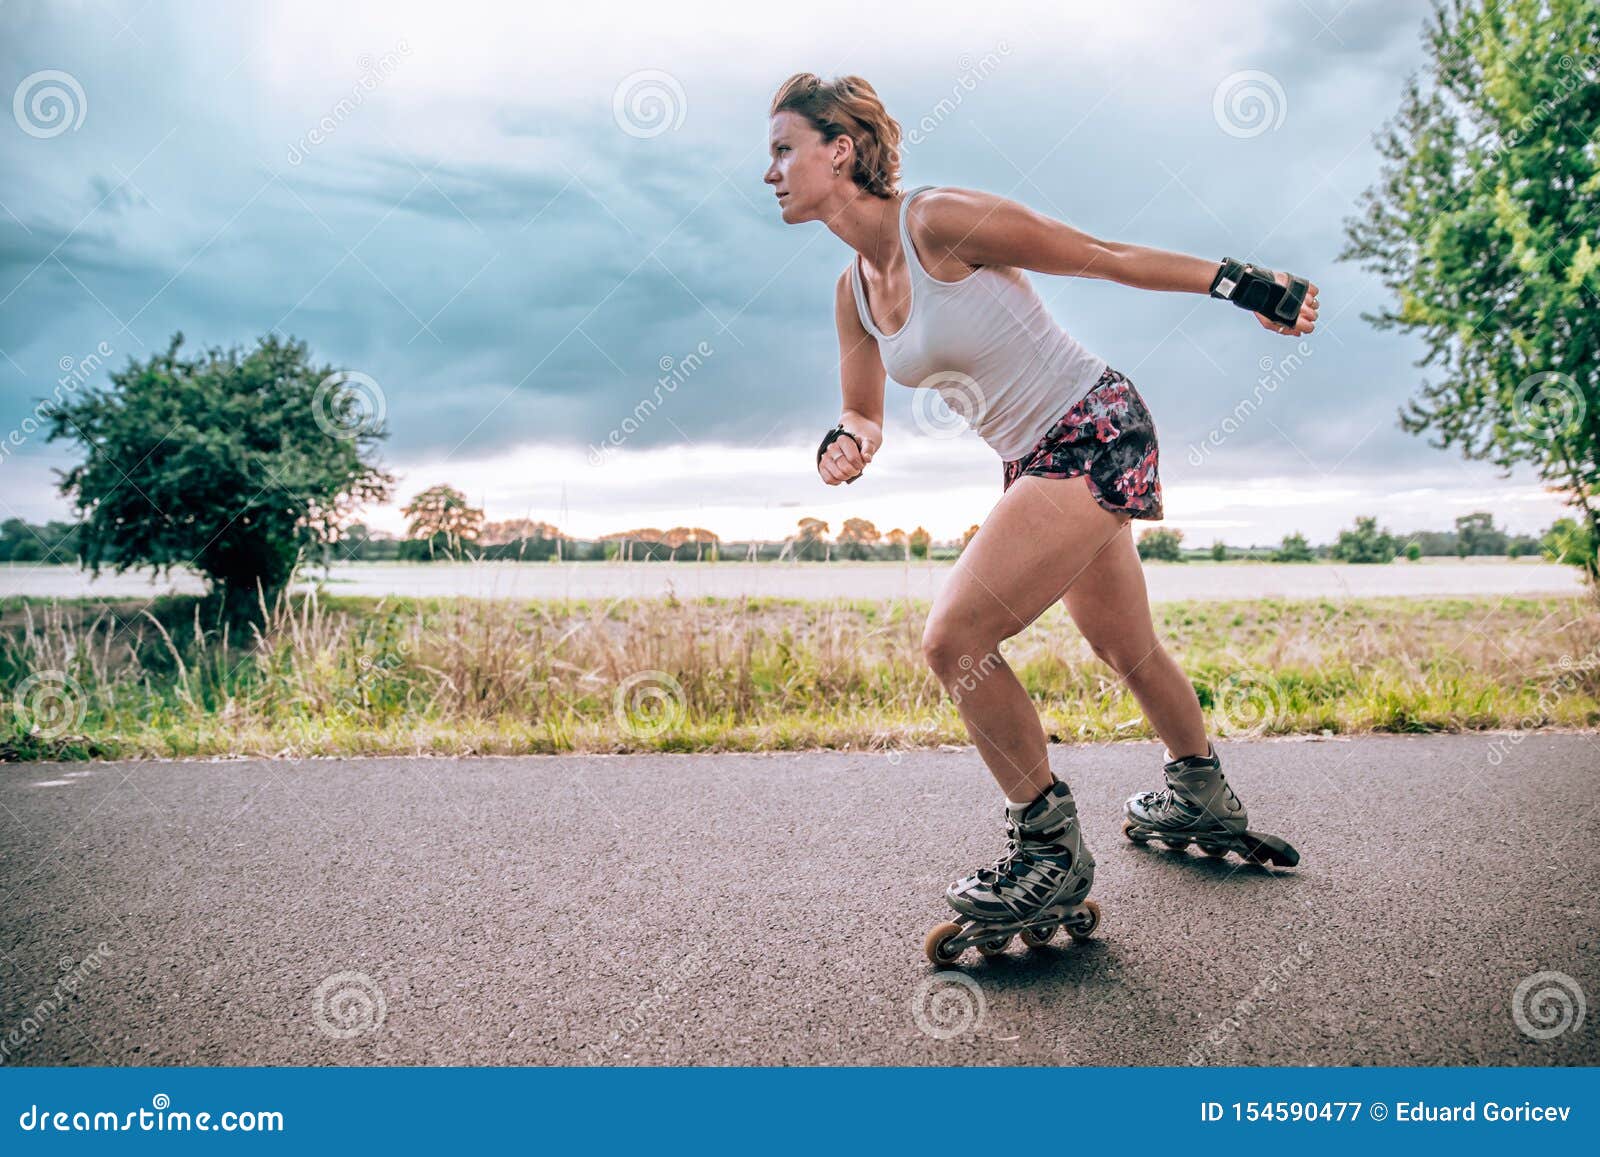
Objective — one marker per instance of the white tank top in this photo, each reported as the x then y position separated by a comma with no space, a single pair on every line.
987,344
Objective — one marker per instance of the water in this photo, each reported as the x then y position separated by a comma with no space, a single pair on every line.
1167,582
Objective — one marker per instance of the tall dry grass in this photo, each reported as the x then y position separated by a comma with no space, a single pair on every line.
324,676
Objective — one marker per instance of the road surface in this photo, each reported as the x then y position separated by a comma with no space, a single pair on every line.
769,909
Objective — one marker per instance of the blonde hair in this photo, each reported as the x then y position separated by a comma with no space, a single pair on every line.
848,107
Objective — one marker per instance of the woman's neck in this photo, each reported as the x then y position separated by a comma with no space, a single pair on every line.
864,224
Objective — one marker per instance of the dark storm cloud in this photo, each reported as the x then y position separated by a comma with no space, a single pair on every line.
532,289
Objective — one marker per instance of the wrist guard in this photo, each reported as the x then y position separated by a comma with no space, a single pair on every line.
833,436
1252,287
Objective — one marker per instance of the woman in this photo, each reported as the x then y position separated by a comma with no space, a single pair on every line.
936,296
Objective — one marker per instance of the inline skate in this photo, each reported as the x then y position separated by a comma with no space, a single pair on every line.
1036,887
1197,806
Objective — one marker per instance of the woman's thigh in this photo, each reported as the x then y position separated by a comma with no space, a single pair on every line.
1110,606
1041,538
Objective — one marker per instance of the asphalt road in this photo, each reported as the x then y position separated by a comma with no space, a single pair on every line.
769,909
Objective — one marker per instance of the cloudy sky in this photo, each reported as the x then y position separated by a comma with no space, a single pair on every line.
517,220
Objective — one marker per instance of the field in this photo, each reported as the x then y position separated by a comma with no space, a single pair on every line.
347,675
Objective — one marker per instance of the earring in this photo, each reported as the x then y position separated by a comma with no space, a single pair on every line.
836,170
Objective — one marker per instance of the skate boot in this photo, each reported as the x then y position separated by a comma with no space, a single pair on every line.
1197,806
1039,885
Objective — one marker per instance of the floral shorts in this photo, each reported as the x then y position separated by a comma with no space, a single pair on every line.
1109,436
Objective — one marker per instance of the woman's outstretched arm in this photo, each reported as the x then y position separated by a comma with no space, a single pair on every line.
984,229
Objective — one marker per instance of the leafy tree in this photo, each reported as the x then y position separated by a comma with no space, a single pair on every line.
857,537
919,541
1476,534
1366,543
684,537
20,543
441,523
1219,551
1164,544
353,543
55,542
859,530
234,465
1434,543
1522,545
810,538
442,510
1571,543
504,533
1294,549
1483,225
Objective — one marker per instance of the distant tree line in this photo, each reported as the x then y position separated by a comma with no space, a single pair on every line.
444,528
1564,541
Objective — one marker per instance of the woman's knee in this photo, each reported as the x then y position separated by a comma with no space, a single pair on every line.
1127,660
951,650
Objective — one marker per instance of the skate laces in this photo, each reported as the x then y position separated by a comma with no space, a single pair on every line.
1170,800
1016,856
1003,868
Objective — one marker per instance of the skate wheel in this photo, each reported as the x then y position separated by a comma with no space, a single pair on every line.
1133,833
1038,937
936,945
1176,845
996,947
1214,850
1092,921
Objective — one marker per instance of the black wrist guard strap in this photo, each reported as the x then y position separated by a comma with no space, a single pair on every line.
833,436
1252,287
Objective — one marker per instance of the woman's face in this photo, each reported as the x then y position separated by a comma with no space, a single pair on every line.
801,172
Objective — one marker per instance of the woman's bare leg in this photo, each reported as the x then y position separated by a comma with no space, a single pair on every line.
1111,608
1040,540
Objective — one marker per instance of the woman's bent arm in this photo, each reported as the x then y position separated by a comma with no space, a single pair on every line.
861,372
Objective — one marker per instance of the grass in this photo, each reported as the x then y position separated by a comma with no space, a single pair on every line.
338,675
